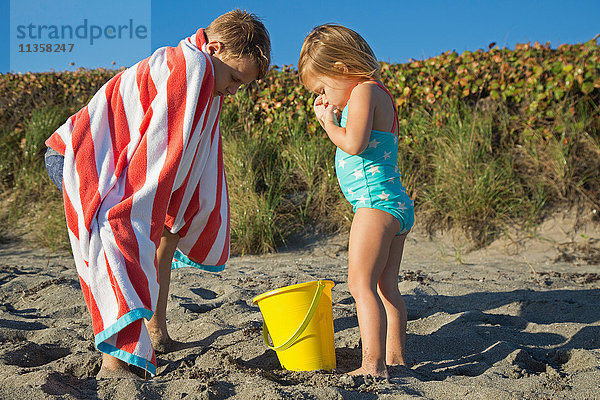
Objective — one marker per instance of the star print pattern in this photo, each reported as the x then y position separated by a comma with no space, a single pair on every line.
358,173
372,179
384,196
374,169
373,144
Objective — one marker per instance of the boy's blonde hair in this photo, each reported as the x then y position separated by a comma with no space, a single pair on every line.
334,50
242,34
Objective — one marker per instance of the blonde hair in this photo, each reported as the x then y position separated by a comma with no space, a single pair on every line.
242,34
326,46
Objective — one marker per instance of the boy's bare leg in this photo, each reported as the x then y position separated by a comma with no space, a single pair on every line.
113,367
395,308
157,326
371,236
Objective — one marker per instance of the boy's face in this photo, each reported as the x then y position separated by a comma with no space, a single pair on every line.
230,72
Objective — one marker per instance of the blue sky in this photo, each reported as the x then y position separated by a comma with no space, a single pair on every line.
396,30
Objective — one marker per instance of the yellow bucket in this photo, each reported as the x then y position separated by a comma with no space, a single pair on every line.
299,319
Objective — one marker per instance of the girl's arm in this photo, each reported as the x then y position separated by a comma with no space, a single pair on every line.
354,138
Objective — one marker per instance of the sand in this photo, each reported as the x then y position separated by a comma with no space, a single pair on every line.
517,320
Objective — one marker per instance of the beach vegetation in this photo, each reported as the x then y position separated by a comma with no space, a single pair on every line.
489,140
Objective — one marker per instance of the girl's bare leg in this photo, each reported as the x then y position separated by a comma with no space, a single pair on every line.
157,326
371,236
395,308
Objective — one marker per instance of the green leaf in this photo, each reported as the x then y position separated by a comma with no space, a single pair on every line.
558,93
587,87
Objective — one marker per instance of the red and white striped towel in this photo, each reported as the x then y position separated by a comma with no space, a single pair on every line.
145,153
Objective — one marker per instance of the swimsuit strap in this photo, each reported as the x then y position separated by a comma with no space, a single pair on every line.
395,125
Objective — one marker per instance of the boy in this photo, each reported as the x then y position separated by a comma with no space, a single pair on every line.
144,186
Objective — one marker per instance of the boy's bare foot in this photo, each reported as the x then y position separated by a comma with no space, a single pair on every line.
167,346
382,373
162,342
113,368
106,373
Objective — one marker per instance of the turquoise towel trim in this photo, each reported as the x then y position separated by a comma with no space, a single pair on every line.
127,357
121,323
180,261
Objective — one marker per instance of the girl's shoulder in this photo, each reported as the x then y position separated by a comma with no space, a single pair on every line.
373,90
374,95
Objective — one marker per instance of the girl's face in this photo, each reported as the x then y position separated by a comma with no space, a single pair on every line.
333,90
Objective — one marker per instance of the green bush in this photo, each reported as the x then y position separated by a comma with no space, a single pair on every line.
488,139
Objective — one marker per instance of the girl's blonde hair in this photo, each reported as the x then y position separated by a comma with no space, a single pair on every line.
334,50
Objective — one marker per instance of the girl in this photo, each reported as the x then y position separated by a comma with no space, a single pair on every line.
339,66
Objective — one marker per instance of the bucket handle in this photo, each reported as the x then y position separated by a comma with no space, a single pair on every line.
311,311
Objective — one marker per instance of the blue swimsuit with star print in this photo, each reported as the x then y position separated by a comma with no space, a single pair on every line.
372,179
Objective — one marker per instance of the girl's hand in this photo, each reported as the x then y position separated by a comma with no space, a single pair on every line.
324,111
319,107
331,115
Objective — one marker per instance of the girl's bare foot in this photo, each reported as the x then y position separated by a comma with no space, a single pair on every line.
399,370
396,363
395,357
382,373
